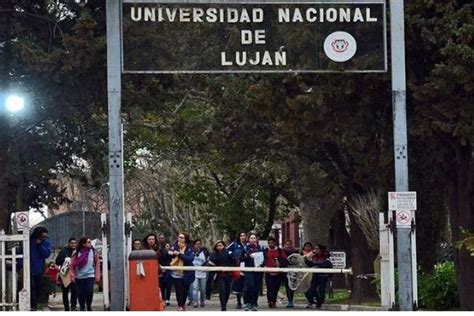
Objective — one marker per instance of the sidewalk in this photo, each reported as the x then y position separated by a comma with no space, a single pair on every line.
55,304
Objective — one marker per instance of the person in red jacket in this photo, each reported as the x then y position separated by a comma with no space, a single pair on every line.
51,273
274,257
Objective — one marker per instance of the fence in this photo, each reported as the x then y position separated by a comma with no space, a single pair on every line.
9,271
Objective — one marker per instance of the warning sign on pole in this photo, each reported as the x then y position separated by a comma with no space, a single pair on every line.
403,218
402,201
22,221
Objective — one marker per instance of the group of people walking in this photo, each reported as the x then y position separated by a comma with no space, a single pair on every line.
244,251
79,269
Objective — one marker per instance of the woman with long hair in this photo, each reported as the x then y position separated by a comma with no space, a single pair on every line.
253,257
182,254
137,244
165,275
307,249
149,242
199,284
221,257
236,249
85,270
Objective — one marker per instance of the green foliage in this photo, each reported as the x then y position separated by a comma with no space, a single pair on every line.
467,242
438,290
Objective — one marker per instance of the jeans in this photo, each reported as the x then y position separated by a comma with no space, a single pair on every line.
85,292
35,288
317,289
199,287
224,290
65,290
252,284
273,285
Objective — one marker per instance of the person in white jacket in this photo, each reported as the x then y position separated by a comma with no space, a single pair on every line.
199,285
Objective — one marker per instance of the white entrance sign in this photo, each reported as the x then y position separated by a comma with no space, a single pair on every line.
402,201
241,36
22,221
338,259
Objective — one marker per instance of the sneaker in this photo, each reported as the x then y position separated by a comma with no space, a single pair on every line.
190,303
73,309
309,306
290,305
181,309
195,305
202,304
271,305
167,303
248,307
254,308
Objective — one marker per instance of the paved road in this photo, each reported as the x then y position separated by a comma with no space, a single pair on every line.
55,304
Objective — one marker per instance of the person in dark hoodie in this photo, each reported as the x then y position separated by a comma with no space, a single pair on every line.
40,250
236,248
221,257
182,254
66,252
165,275
318,258
253,257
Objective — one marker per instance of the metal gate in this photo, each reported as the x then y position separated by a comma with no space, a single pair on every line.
9,273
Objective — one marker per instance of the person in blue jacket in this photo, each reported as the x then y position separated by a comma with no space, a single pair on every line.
251,255
182,254
40,250
236,249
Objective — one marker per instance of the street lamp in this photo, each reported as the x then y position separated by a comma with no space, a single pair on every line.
14,103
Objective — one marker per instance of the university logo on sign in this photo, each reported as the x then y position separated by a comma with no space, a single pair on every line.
163,36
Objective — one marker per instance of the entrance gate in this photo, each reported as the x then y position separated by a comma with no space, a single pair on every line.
336,54
9,273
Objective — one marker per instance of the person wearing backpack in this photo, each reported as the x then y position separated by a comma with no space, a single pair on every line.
63,260
85,270
274,257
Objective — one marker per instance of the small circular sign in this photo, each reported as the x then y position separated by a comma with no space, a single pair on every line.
403,218
340,46
22,220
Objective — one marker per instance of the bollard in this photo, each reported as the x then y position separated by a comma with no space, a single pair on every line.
144,287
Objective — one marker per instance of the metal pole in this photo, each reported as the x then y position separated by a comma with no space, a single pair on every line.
404,256
117,256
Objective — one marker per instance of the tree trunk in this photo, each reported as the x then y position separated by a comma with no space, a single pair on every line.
362,260
339,239
316,220
461,200
271,214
